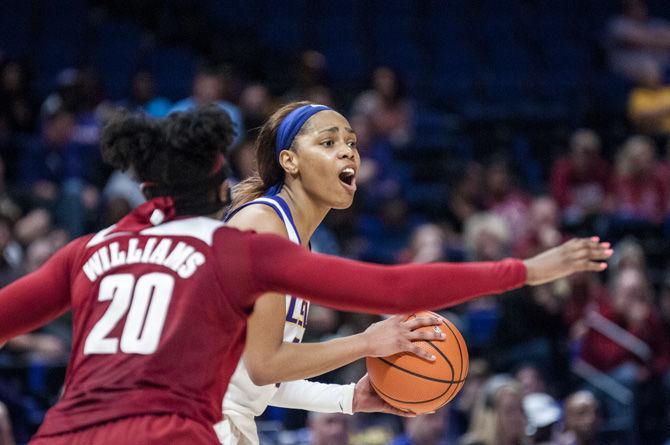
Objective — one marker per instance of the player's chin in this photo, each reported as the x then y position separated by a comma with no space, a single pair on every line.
344,202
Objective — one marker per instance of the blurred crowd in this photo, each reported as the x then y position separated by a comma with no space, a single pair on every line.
582,361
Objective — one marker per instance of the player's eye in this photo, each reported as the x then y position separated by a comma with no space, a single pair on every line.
328,143
352,144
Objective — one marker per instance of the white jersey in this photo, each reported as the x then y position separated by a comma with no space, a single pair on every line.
244,400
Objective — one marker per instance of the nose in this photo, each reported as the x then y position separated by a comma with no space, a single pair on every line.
346,152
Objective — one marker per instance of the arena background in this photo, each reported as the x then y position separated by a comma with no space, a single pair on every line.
488,128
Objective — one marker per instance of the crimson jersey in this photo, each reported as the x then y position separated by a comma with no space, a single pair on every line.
160,304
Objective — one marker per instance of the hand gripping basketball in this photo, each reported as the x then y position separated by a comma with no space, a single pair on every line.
399,333
411,383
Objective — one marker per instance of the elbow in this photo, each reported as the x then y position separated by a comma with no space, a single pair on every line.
260,378
260,375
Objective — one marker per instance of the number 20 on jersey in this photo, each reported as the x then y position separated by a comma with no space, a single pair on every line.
145,300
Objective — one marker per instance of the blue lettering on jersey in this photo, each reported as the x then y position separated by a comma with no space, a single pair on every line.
299,318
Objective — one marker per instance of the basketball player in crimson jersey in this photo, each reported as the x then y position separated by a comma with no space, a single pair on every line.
160,299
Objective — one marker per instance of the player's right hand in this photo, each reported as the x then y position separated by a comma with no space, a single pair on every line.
395,335
576,255
366,400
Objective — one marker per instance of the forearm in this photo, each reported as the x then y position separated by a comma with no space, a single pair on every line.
29,303
37,298
313,396
355,286
412,288
296,361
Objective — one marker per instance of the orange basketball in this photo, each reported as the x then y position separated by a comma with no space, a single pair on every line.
408,382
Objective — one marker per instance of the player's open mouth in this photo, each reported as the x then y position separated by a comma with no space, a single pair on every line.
348,178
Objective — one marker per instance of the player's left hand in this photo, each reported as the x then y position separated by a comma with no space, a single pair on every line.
366,400
576,255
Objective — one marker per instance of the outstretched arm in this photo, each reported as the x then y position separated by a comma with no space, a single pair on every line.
279,265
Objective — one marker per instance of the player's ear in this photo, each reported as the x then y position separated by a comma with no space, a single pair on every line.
289,161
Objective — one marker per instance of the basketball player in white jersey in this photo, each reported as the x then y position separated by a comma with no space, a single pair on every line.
307,163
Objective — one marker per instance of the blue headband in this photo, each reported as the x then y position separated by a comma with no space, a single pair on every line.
291,125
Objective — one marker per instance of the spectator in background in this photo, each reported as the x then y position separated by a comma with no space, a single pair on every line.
36,224
473,388
582,419
428,244
543,232
649,102
387,106
43,161
8,206
638,192
629,254
379,177
83,96
143,96
83,172
506,200
664,312
210,86
122,186
10,253
630,309
256,105
467,196
580,181
80,93
530,378
486,237
626,341
43,347
6,435
243,159
498,418
638,41
329,428
310,74
386,235
320,94
427,429
16,101
583,294
543,414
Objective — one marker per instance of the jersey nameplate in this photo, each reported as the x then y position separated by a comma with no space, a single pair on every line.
182,258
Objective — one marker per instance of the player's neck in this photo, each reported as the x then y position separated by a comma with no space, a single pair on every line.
307,214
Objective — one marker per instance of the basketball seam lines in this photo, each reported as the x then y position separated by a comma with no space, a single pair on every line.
412,402
460,353
450,382
418,375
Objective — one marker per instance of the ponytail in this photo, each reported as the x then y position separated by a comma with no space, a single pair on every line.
268,171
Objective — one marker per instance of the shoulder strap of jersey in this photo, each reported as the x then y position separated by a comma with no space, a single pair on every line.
280,207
